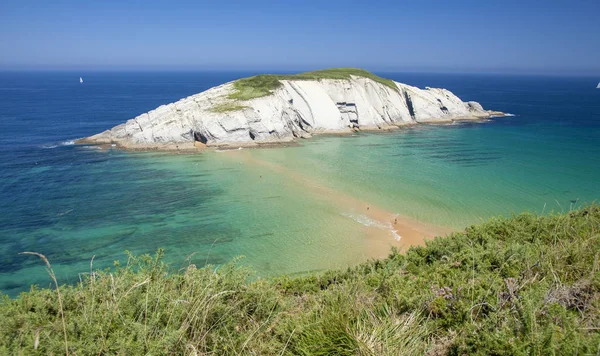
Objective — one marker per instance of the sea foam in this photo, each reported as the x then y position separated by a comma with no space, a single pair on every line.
63,143
367,221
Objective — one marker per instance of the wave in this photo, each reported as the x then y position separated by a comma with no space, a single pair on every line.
58,144
367,221
397,236
229,149
364,220
503,115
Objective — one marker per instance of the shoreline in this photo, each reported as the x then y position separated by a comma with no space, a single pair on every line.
382,229
198,147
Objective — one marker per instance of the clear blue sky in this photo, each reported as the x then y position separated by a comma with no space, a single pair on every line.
542,36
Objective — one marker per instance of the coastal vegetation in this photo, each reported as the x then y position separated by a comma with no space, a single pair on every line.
227,106
264,84
511,286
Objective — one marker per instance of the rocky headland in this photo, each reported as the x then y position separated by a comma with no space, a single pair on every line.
270,109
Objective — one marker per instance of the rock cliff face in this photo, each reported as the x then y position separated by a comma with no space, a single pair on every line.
297,108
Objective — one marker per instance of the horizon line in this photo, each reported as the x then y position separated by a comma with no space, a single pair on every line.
298,70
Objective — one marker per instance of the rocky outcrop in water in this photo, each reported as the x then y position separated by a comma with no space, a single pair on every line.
296,109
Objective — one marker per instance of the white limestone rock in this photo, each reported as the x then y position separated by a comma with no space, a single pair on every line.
298,108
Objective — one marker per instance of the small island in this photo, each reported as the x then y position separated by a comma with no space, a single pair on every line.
270,109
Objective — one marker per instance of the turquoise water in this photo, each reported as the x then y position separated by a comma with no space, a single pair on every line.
73,202
454,176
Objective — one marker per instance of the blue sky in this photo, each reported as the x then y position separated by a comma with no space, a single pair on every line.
436,35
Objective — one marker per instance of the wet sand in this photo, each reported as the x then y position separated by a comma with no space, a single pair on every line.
383,229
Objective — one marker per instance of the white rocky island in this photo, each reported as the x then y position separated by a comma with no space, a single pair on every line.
268,109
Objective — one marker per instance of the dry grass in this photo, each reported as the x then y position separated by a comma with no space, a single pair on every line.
60,303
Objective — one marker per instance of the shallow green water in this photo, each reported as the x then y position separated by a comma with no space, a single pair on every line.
455,175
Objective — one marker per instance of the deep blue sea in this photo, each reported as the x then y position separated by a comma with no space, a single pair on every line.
73,202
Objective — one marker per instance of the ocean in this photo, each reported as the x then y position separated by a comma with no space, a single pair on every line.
83,207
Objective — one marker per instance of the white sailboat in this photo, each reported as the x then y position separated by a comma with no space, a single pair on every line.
80,80
598,87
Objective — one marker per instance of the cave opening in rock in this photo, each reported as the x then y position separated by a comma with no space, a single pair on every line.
199,137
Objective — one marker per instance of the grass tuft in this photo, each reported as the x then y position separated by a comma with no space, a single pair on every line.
227,107
524,285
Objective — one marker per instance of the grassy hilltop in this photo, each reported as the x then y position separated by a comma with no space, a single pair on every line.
525,285
264,84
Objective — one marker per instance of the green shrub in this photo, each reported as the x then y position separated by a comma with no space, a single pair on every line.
525,285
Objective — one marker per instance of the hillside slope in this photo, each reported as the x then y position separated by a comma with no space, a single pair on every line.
525,285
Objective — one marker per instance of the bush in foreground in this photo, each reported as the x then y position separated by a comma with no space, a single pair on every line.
525,285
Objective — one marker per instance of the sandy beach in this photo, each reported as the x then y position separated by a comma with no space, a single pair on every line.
383,229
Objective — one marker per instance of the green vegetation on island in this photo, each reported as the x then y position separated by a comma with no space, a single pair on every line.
524,285
227,106
264,84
